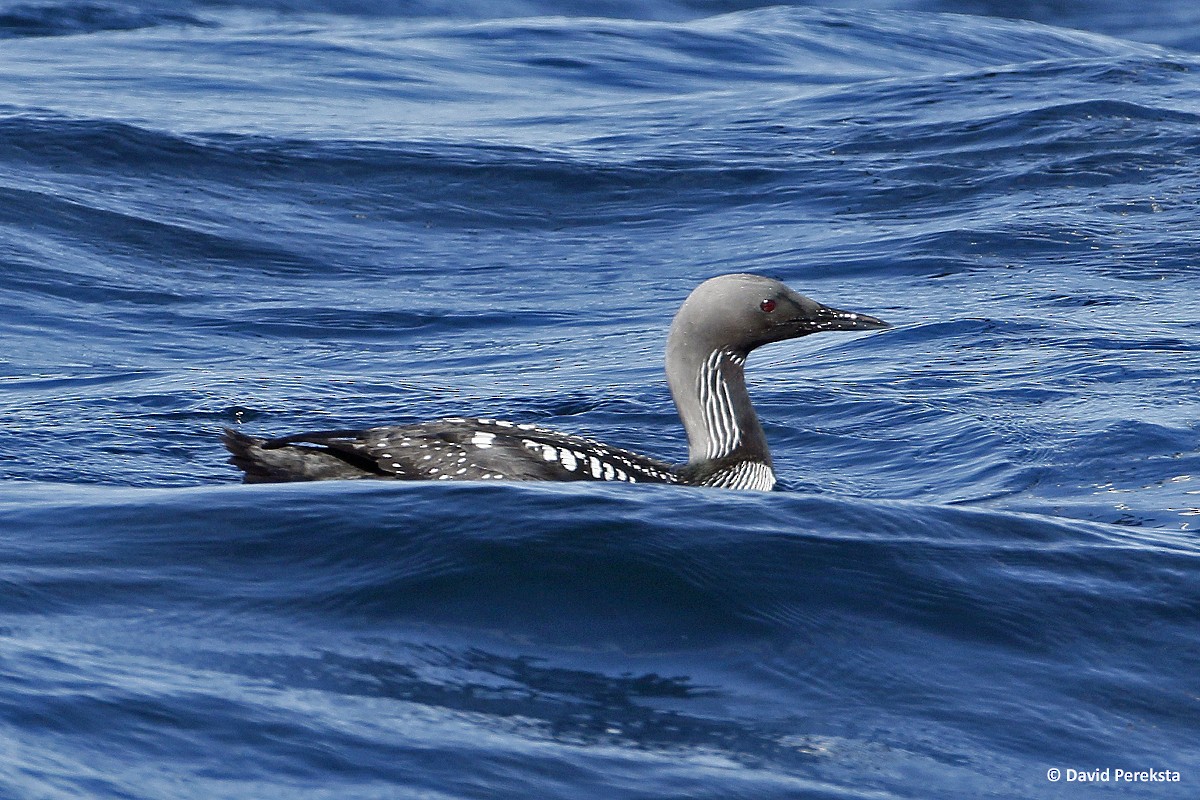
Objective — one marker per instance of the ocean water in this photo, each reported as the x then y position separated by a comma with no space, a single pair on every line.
982,562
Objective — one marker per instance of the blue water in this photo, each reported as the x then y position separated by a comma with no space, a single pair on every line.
982,562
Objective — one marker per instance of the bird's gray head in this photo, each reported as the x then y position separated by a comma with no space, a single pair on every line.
741,312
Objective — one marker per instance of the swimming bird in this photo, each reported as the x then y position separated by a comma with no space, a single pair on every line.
719,324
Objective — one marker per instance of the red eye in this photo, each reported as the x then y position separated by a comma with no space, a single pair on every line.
767,305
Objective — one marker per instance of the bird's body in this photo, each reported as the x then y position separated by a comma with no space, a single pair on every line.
719,324
454,448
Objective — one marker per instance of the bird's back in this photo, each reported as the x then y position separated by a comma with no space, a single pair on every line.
447,449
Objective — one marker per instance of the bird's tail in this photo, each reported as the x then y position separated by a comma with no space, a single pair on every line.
246,454
279,461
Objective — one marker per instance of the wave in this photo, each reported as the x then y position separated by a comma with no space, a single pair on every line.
26,20
626,612
468,552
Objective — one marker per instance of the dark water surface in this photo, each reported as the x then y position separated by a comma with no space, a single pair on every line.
983,560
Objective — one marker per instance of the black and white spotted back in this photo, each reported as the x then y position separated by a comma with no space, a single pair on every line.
477,449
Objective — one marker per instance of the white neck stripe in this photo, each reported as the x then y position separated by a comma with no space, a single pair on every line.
720,422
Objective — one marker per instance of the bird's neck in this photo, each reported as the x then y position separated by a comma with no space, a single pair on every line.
709,388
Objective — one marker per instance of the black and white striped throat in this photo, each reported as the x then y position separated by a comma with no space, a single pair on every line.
748,476
718,415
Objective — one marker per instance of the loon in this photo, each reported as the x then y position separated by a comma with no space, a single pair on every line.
720,322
